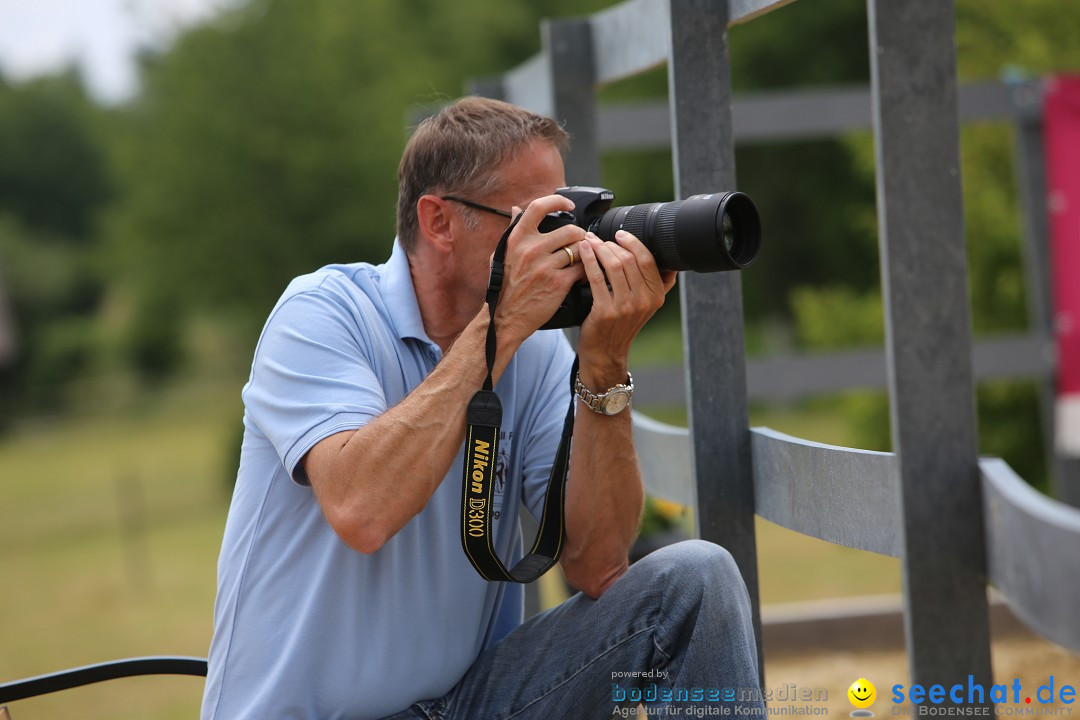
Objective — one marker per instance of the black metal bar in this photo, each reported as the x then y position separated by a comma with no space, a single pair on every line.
699,82
928,333
90,674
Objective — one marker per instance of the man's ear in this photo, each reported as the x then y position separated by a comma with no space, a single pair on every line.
434,220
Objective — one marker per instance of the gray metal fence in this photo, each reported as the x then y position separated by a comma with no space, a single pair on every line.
954,520
827,112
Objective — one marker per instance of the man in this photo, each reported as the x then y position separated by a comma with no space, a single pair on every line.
343,588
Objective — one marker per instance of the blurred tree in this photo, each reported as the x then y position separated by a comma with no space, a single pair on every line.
48,282
266,143
54,181
52,167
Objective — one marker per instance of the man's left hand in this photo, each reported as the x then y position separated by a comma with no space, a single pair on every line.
632,292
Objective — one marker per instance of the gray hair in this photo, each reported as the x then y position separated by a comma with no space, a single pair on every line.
461,150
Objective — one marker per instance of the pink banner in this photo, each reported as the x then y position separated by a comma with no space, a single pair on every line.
1061,128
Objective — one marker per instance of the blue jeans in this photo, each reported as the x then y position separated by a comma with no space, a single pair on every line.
682,613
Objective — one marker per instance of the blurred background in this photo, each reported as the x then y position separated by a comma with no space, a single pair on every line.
167,166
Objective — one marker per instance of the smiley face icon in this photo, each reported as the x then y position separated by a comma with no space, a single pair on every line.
862,694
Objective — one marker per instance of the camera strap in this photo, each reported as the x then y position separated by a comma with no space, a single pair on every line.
483,420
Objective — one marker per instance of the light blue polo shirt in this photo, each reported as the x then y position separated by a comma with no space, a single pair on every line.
304,626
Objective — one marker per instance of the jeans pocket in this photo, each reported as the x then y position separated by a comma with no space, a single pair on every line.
430,709
423,710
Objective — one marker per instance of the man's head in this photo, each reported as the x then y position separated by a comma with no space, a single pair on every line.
462,151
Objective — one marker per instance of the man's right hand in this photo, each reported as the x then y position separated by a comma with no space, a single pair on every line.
537,273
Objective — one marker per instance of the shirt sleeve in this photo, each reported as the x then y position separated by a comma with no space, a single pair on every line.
547,406
312,376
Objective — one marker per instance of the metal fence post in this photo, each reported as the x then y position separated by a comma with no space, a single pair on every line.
1031,181
569,48
568,45
928,332
703,151
489,87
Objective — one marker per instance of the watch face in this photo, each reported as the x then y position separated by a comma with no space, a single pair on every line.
616,401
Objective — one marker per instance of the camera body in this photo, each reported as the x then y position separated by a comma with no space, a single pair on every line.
590,204
705,233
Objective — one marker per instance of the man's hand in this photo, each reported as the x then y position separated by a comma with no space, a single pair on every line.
634,289
537,274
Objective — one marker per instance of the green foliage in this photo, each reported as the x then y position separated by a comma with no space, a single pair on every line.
44,274
993,227
53,293
54,179
804,44
265,144
1036,36
833,310
154,339
251,157
1009,427
837,317
810,194
661,516
63,349
52,168
811,200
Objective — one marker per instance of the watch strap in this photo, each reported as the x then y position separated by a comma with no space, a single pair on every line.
595,401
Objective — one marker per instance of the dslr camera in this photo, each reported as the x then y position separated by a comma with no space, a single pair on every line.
704,233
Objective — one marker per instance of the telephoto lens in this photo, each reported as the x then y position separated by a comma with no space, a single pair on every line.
703,233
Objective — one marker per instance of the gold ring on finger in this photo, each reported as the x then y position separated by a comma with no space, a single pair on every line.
571,254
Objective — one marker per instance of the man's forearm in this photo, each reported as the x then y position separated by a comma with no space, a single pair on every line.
604,501
370,482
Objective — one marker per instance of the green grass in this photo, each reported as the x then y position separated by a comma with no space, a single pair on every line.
111,533
111,527
659,343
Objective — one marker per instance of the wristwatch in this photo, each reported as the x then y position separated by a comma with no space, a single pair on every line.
611,402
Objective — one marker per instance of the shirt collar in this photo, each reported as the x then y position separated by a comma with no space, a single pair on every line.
400,296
